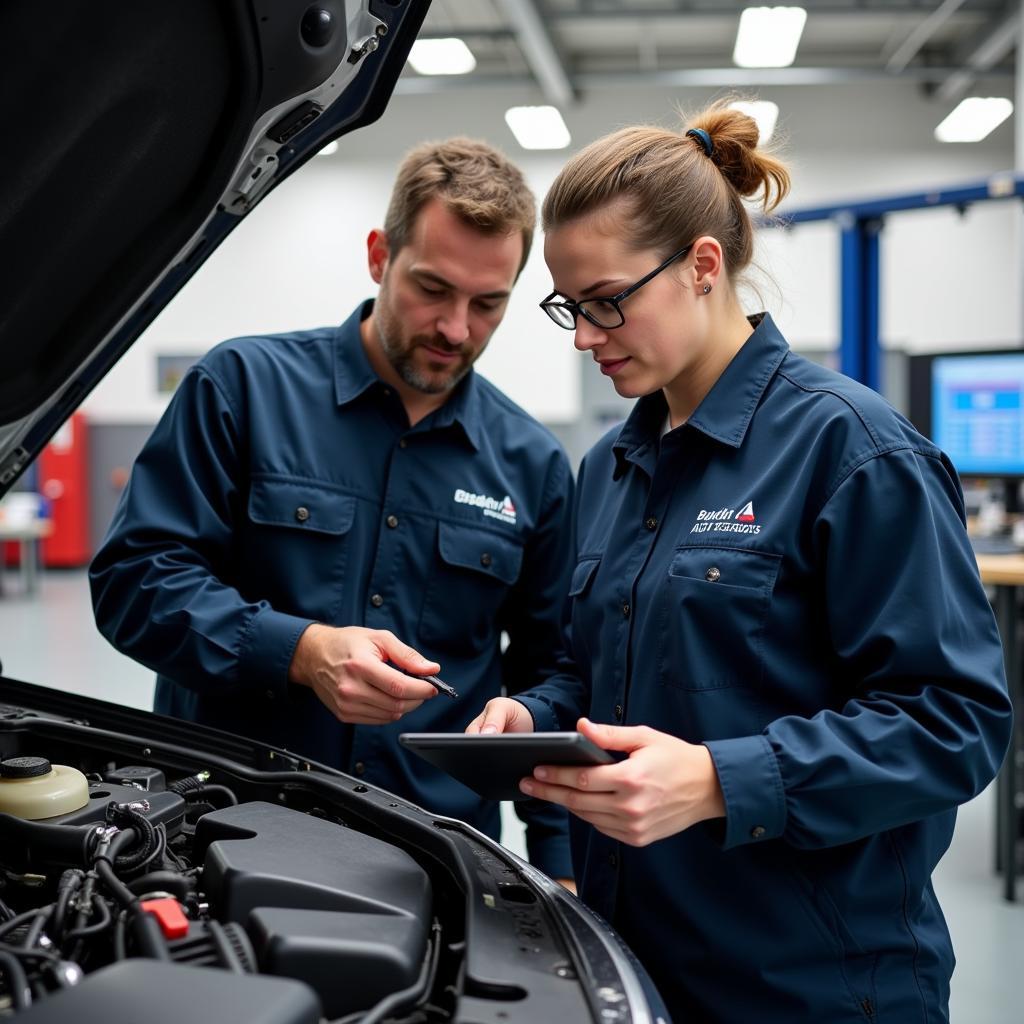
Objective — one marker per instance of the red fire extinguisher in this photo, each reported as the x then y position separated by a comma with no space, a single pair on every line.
64,482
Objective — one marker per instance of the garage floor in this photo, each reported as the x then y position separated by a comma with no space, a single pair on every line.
50,639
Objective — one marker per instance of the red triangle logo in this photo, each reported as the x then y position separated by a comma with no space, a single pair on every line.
746,514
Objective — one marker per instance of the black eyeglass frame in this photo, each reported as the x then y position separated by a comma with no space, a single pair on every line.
577,308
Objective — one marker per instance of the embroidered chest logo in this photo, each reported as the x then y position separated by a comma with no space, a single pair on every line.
502,509
727,520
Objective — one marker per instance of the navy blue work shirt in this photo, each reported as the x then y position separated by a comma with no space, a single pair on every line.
284,486
786,578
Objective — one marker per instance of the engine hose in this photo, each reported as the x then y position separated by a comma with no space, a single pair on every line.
70,882
96,927
131,819
17,982
26,844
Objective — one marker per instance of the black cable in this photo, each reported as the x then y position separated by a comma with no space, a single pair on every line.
17,981
96,927
70,882
16,922
212,789
117,888
36,928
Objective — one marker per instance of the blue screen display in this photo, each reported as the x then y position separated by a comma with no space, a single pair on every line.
978,412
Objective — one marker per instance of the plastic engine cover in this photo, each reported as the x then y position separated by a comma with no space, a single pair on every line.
344,912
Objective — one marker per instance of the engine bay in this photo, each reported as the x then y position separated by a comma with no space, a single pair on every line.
180,871
153,870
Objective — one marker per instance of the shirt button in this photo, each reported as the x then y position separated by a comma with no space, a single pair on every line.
271,695
625,611
392,521
713,575
757,832
302,513
613,859
651,523
403,443
618,712
485,559
376,600
360,768
386,392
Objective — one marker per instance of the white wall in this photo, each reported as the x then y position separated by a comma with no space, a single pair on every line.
299,261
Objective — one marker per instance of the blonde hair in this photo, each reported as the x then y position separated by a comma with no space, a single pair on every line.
675,191
477,182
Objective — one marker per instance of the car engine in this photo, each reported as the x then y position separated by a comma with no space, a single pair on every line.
180,872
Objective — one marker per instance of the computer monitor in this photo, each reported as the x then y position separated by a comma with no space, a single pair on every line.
971,404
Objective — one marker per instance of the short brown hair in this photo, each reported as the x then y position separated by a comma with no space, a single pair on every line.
477,182
675,191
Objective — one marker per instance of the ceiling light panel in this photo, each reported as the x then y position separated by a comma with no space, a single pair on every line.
768,36
973,119
538,127
441,57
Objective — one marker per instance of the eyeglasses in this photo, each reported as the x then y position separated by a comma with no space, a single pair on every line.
604,311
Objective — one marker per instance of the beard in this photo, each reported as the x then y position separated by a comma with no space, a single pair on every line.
413,363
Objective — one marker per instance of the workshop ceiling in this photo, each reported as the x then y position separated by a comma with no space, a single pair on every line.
568,46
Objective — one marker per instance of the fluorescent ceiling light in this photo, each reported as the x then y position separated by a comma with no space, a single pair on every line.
764,112
768,36
538,127
441,57
973,119
331,147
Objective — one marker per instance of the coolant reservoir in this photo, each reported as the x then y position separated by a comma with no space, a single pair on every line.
32,788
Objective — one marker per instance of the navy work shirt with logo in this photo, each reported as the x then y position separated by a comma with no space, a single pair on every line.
284,486
786,579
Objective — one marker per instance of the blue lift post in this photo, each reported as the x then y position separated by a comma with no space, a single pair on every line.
860,225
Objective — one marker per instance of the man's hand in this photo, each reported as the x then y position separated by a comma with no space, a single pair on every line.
347,669
502,714
663,787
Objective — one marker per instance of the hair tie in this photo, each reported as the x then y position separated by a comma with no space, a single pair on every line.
705,140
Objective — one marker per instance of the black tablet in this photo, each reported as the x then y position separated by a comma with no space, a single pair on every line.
492,765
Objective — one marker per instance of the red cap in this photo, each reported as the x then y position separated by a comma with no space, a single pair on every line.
168,912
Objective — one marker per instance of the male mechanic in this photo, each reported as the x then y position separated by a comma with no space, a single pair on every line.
313,503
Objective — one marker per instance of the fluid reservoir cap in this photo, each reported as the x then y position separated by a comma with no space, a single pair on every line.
24,767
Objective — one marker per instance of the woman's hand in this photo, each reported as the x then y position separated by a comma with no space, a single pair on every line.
502,714
663,787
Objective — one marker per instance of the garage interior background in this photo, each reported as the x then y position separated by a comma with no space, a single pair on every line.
858,111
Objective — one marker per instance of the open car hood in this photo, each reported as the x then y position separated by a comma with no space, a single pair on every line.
136,141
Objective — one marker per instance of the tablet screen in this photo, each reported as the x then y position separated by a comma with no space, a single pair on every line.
492,765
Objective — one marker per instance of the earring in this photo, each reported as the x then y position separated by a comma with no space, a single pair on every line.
707,289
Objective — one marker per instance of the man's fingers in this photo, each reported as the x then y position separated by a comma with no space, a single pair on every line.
395,684
404,656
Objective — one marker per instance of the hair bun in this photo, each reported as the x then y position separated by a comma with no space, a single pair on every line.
733,137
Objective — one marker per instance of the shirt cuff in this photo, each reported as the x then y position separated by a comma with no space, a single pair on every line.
267,650
541,712
755,801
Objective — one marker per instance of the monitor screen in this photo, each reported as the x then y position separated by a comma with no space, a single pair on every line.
977,411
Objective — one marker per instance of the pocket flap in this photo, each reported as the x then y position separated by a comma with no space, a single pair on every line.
300,505
582,575
726,567
480,550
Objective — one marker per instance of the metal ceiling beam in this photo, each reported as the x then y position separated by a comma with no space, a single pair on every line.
911,46
982,54
539,51
727,77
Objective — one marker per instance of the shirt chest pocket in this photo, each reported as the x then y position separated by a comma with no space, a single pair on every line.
296,544
714,604
474,572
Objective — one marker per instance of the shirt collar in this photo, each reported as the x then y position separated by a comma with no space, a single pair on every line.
726,410
353,376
